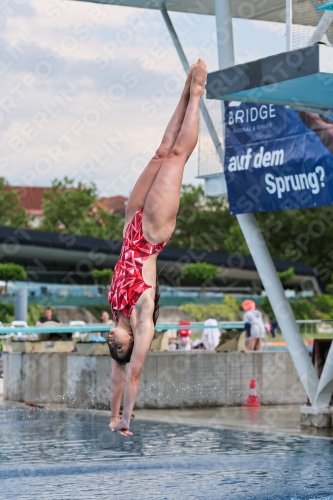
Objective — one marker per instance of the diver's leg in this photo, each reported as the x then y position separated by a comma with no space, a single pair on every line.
142,186
162,201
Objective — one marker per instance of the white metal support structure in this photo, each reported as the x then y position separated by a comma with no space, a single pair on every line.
186,66
224,33
256,243
325,386
248,223
322,27
289,25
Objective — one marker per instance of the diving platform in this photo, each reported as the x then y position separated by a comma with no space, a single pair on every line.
301,79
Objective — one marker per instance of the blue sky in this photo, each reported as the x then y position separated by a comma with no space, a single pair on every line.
87,89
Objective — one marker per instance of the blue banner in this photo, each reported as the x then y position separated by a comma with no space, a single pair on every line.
277,158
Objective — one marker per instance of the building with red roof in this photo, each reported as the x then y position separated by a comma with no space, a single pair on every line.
31,198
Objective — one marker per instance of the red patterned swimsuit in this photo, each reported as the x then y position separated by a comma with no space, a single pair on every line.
127,283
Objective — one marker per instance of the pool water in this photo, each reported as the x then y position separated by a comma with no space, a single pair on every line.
48,454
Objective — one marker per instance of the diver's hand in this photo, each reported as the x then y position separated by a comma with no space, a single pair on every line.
122,427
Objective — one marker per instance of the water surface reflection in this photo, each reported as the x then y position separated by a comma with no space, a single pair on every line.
62,454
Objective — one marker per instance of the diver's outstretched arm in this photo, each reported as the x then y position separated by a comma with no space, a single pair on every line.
118,377
143,337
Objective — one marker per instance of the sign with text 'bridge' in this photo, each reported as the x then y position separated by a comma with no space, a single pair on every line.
277,158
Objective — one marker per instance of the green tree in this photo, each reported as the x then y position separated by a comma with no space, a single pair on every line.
12,272
286,275
102,276
35,311
324,306
75,210
267,308
202,222
232,306
230,310
302,308
7,313
200,274
302,235
12,212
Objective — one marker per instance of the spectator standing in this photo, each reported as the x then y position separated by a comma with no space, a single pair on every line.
257,326
48,316
274,328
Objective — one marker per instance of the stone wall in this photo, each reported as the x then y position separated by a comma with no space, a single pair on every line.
35,377
168,380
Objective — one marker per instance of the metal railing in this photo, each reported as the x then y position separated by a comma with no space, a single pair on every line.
5,330
315,327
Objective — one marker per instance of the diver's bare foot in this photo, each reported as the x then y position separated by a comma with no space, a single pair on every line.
113,423
122,427
199,77
187,86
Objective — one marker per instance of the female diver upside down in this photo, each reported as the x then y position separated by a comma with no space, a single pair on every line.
150,220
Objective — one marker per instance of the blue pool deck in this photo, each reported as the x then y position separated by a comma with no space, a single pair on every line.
63,454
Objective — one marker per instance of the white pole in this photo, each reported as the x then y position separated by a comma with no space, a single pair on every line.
289,25
224,33
257,245
21,304
279,303
225,45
